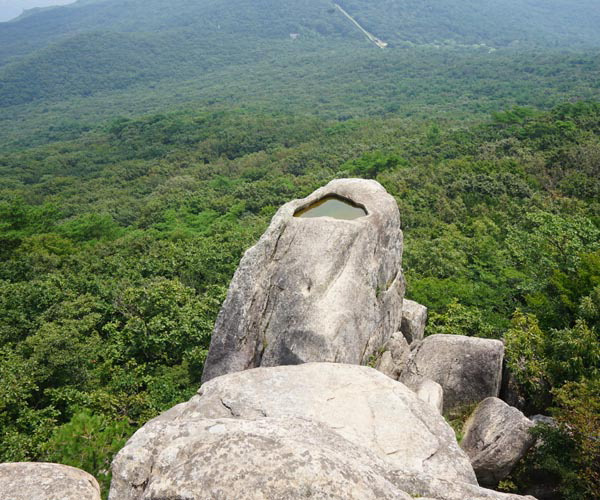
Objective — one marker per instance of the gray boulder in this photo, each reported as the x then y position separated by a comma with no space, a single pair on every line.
426,390
319,430
315,289
469,369
386,365
268,458
45,481
431,392
361,404
543,419
395,357
496,437
414,319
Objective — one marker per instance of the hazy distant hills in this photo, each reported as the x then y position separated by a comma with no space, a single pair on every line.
214,20
497,23
109,44
136,56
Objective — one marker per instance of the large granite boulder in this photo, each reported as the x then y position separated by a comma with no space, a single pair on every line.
496,437
414,319
360,403
44,481
268,458
315,288
319,430
469,369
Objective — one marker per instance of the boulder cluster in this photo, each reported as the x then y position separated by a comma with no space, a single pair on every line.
320,383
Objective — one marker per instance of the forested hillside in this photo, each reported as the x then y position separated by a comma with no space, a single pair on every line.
68,69
327,82
555,23
117,249
143,149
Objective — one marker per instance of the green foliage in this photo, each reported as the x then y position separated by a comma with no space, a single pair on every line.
458,419
567,455
370,165
118,248
460,320
161,320
89,227
88,442
541,360
525,349
578,416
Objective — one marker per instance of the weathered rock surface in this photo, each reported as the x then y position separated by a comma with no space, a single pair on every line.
45,481
395,357
468,369
496,438
361,404
431,392
269,458
441,489
414,319
315,289
320,430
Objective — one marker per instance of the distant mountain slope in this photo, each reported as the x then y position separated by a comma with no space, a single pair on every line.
211,19
10,9
87,63
340,82
497,23
182,51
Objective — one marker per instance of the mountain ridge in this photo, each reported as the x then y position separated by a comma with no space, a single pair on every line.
557,23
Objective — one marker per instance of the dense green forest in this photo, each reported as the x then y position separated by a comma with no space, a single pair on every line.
144,149
293,79
499,23
68,69
117,249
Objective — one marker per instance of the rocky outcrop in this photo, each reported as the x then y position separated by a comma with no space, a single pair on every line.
315,289
395,357
468,369
268,458
361,404
496,437
324,286
321,429
44,481
543,420
414,319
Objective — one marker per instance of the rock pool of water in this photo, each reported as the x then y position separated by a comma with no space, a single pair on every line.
332,206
